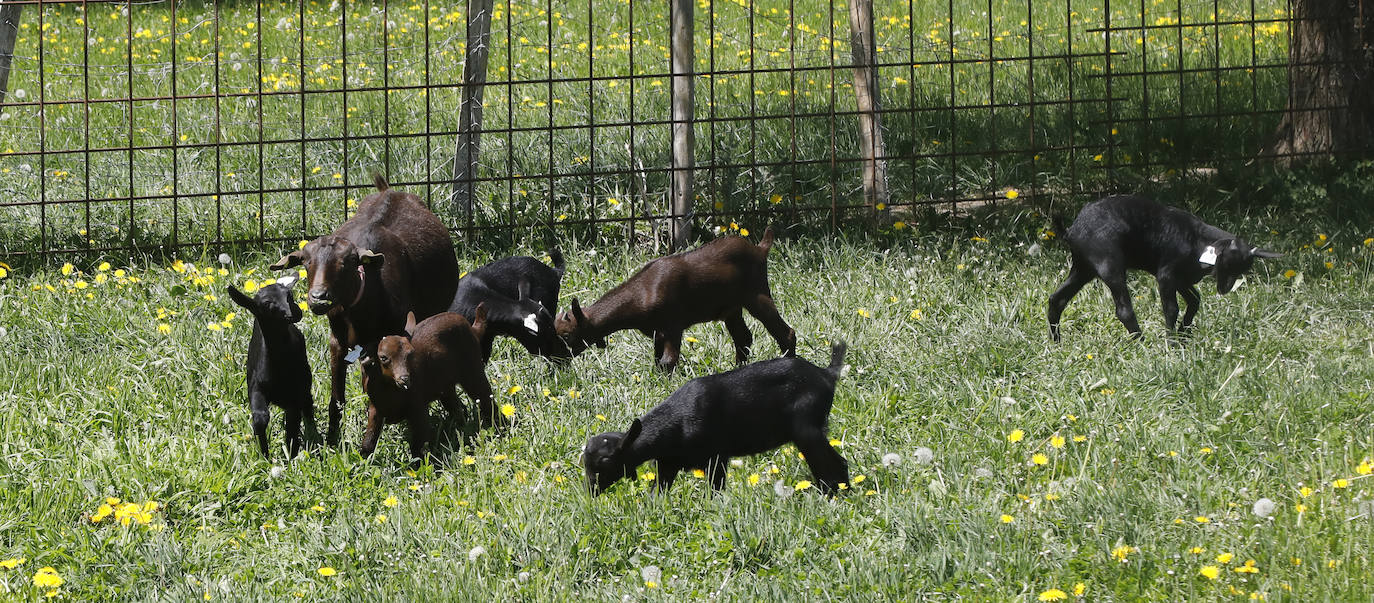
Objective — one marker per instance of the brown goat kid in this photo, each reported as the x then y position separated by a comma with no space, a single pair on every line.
407,373
717,281
393,257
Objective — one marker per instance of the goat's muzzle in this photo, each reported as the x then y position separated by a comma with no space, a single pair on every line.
319,302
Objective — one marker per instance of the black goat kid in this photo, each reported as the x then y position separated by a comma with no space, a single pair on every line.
1115,234
749,410
521,297
278,371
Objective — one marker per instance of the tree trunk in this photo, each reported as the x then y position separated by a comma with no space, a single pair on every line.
864,49
683,59
470,107
9,30
1331,94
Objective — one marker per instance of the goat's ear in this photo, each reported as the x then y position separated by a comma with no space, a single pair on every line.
295,258
410,324
1234,245
522,290
479,316
367,257
1264,253
242,299
577,311
630,435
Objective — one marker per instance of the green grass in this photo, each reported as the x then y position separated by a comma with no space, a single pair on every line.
1268,396
950,63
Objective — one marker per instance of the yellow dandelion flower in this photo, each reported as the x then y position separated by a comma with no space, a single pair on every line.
1209,572
1079,589
1364,468
103,267
1341,483
327,571
391,501
1039,459
1202,519
1305,491
1248,568
47,578
802,485
381,518
514,389
858,479
67,269
164,328
1197,550
1057,441
899,225
753,479
1225,558
318,508
1006,518
1052,594
1300,508
1289,273
507,410
10,564
469,460
1015,436
1012,194
1120,553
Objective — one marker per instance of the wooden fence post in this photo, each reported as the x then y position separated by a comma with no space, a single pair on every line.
683,59
470,107
9,30
871,145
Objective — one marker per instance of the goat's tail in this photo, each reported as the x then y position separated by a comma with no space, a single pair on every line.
379,181
1058,226
767,242
558,264
837,350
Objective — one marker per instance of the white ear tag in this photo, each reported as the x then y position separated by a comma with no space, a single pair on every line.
1208,257
532,324
287,281
1240,281
353,354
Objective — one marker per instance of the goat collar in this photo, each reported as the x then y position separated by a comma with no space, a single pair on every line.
362,284
1208,257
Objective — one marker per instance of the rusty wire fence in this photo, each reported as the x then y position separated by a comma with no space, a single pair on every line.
160,125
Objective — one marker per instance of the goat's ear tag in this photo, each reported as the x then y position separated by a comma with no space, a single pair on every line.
532,324
353,354
287,281
1208,257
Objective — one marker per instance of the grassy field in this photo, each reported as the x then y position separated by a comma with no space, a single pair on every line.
987,96
1100,468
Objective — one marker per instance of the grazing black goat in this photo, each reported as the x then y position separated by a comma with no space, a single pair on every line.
521,297
1116,234
749,410
278,371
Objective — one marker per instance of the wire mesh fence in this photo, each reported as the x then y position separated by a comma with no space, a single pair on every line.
158,125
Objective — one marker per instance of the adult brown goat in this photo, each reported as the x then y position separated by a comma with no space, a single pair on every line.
717,281
393,257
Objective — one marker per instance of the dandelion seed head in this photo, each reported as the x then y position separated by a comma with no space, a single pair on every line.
892,459
923,456
1263,508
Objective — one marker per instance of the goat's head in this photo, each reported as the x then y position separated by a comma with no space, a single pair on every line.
540,324
336,270
604,458
1233,259
271,304
392,360
573,329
